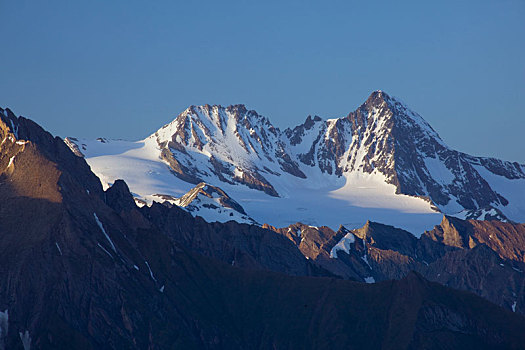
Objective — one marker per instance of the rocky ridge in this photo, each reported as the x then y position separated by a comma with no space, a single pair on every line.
484,257
208,201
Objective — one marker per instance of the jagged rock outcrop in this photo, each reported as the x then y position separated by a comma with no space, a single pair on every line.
211,203
506,239
209,191
484,257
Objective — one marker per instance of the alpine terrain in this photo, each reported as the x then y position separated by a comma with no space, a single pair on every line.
220,231
382,162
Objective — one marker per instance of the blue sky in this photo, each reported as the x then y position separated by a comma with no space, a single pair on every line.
122,69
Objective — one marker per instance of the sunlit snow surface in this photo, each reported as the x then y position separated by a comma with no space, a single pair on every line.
321,199
137,163
512,190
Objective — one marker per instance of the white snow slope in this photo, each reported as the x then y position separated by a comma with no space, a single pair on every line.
320,199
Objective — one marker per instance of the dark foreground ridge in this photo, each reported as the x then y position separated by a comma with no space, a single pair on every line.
81,268
484,257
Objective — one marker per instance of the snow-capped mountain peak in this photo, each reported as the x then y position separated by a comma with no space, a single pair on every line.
400,113
232,143
383,155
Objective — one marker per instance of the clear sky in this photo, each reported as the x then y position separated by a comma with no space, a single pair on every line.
122,69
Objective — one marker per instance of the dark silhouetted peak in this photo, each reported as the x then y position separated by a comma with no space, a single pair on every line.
119,197
387,237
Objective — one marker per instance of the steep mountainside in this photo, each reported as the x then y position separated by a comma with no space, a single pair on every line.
384,136
382,161
232,144
83,268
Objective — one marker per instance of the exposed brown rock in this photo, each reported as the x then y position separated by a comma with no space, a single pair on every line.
506,239
484,257
256,181
178,169
208,190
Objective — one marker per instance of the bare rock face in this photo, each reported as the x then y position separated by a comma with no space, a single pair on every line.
178,169
72,143
316,244
480,270
210,192
506,239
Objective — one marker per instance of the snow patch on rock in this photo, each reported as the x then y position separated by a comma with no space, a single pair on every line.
343,244
4,328
104,232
